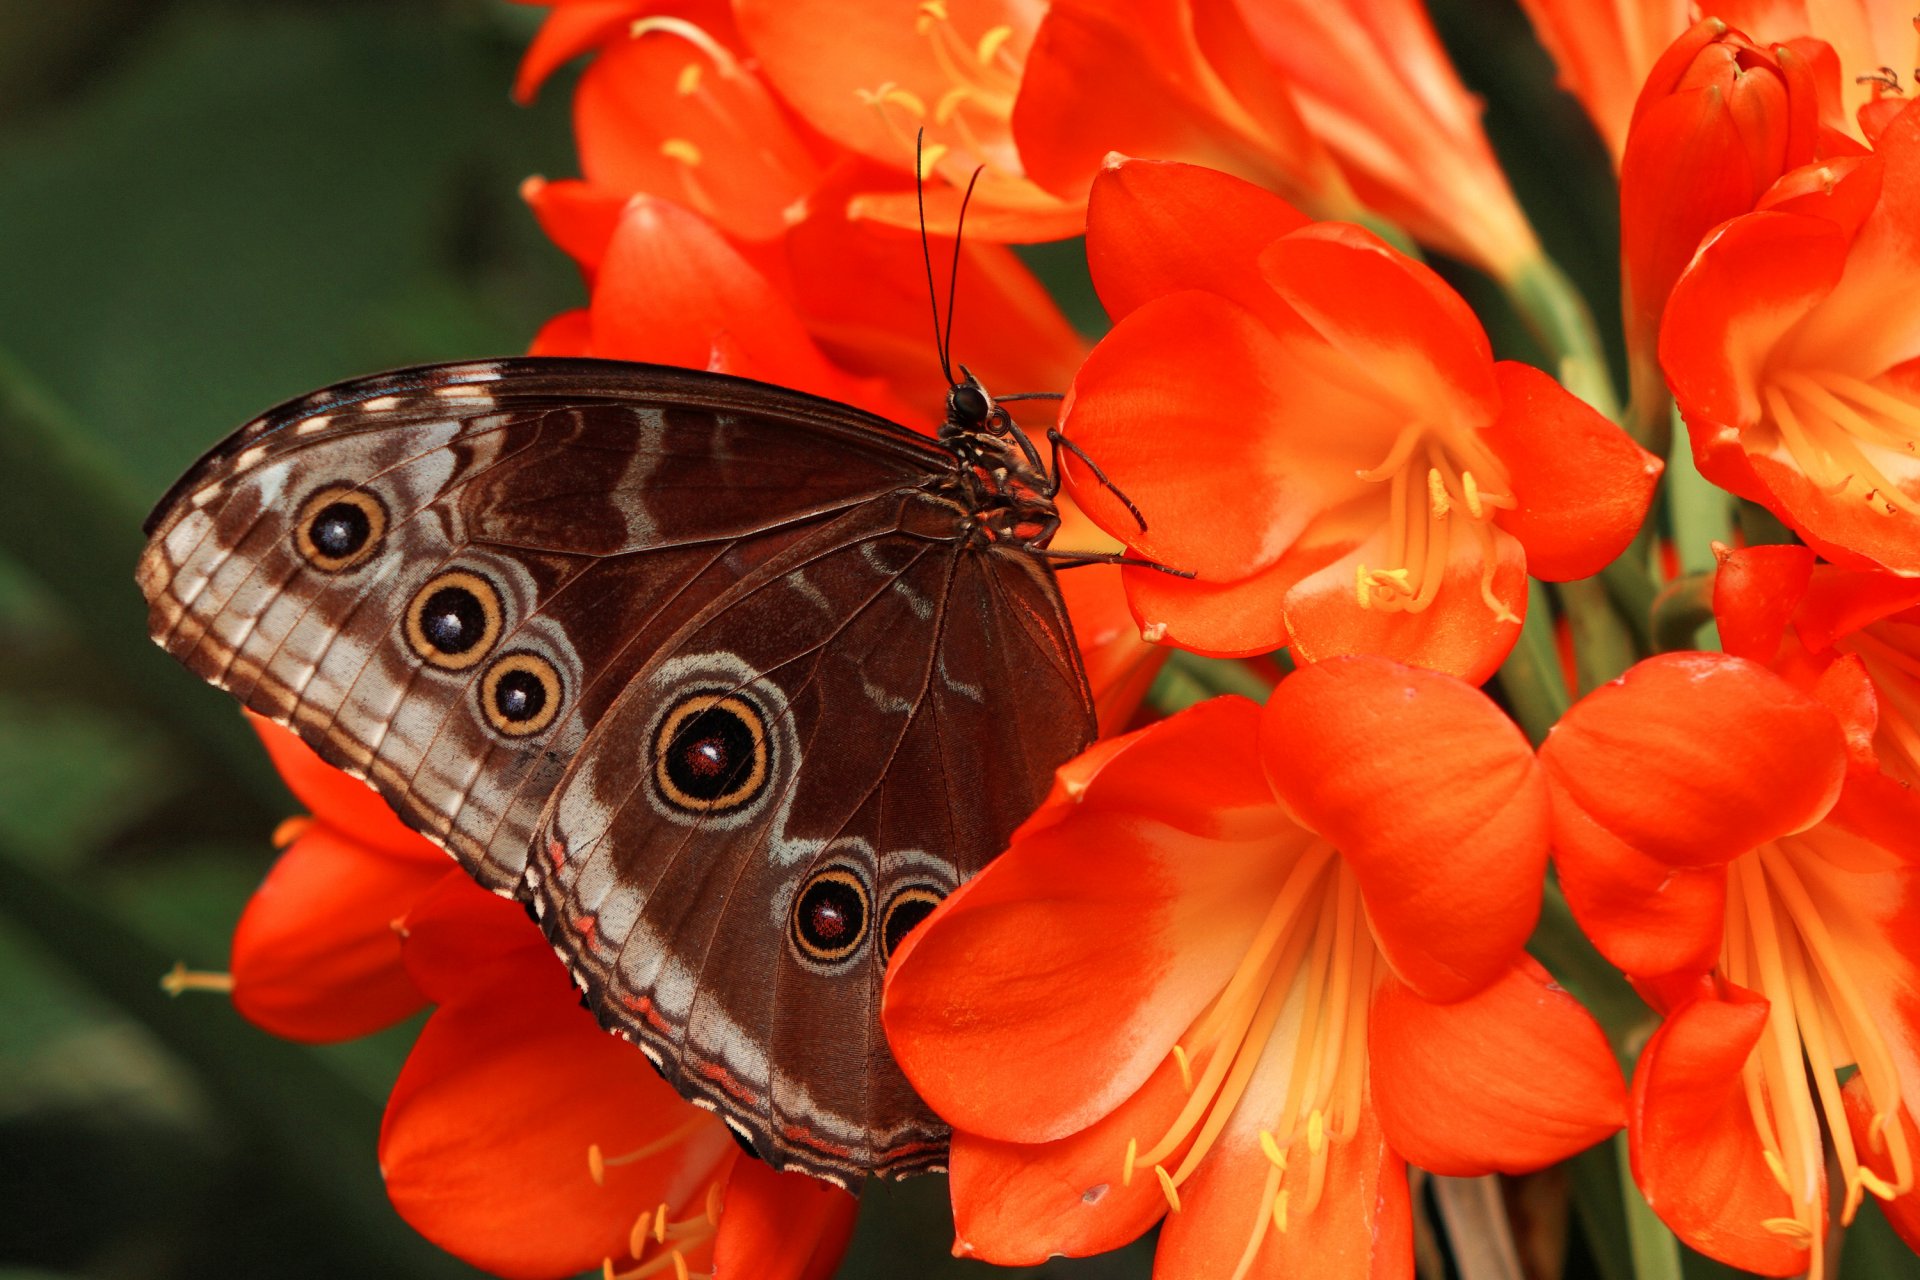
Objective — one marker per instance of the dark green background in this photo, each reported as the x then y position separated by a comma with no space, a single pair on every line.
205,208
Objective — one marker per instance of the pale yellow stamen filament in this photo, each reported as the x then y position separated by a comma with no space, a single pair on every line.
1186,1068
598,1162
1826,448
1420,541
180,978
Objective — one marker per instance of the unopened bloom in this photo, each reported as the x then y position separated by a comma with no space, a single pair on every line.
1293,943
1760,881
1790,345
1315,426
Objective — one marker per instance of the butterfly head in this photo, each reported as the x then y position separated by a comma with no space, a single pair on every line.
972,410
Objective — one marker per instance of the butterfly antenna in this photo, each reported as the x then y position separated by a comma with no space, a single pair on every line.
926,254
953,274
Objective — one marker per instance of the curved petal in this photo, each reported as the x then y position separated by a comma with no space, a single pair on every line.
1509,1080
569,31
1362,1227
1143,920
780,1226
1695,1151
1756,591
315,955
1432,796
484,1144
568,334
1156,227
1416,338
1582,484
1695,758
1647,917
1222,620
577,216
1017,1204
344,803
458,939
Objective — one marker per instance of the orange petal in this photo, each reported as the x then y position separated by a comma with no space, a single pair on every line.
1696,1154
1017,1204
1582,483
315,955
1694,758
781,1226
1509,1080
1157,227
568,334
570,30
1222,620
577,216
1361,1228
457,939
1142,901
485,1140
1390,763
346,804
1756,591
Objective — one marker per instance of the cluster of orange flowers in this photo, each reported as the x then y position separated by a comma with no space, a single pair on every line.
1248,963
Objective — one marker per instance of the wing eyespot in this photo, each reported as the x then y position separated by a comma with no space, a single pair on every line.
339,528
831,915
907,908
453,621
520,694
712,753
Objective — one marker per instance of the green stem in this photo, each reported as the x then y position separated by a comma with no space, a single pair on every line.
1559,318
1655,1251
1604,645
1703,513
1530,677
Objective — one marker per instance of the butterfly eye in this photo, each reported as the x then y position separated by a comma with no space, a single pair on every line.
520,694
711,753
968,404
339,527
908,908
830,915
453,621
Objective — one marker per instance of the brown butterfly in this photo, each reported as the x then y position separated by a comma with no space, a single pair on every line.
730,684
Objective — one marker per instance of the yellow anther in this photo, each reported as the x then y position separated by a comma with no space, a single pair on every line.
950,102
596,1164
1437,492
1470,489
682,150
991,42
1280,1211
1878,1185
713,1204
1126,1168
1779,1171
907,102
1171,1192
689,82
931,11
1273,1151
289,830
1186,1070
1360,592
660,1224
1316,1131
930,160
606,1270
180,978
637,1237
679,1266
1791,1228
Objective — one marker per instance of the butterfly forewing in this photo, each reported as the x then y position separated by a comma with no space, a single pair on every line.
719,676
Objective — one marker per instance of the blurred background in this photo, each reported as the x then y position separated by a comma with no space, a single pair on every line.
207,207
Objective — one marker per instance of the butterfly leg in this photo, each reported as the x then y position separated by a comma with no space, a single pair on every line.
1079,559
1060,442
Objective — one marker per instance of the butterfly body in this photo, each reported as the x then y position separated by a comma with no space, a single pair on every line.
730,684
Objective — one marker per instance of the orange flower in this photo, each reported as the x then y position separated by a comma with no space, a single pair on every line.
524,1139
1790,344
315,955
1316,427
1279,994
1715,843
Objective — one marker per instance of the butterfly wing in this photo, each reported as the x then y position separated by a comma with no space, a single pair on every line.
792,782
441,578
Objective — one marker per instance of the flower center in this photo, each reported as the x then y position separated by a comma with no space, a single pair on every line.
656,1232
982,78
1298,1001
1848,436
1433,482
1817,1021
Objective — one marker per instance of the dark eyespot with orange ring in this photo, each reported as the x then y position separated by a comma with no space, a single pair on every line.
520,694
454,620
907,908
711,753
830,915
339,527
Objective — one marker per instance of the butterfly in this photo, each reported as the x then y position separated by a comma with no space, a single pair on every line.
731,685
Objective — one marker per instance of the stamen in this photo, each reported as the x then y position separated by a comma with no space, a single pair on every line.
637,1237
1126,1167
599,1162
180,978
1316,1132
289,830
689,82
721,57
714,1200
1791,1228
1280,1212
1437,494
1472,487
682,150
1186,1072
1171,1192
1272,1151
991,43
1360,586
931,11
